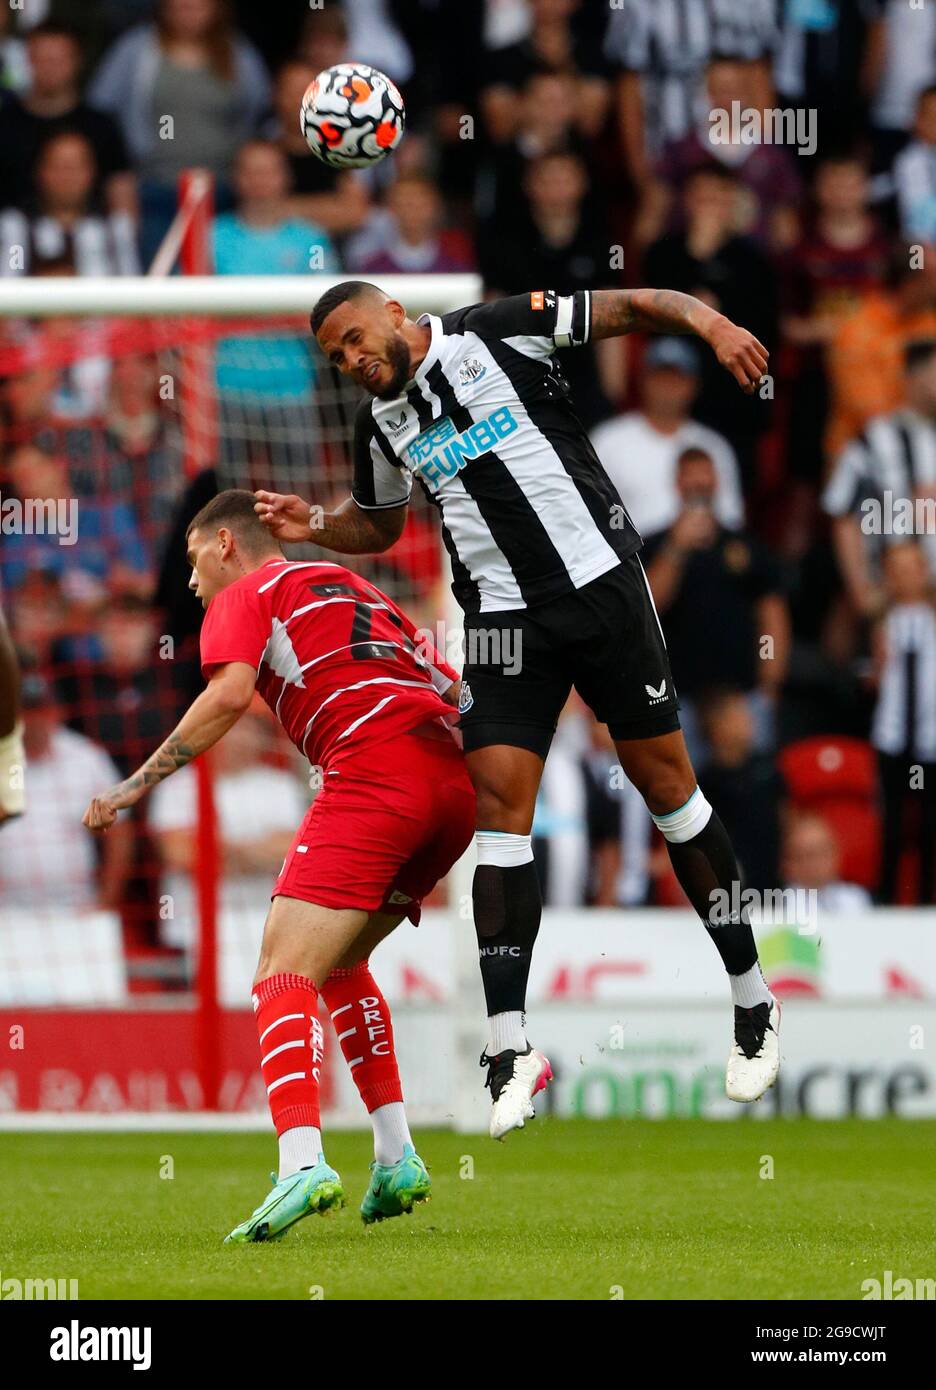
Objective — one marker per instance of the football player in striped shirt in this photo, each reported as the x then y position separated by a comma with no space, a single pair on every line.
338,664
473,406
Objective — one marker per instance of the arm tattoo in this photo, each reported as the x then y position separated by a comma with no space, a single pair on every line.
354,531
615,312
168,758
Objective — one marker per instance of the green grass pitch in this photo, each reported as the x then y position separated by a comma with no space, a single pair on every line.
566,1210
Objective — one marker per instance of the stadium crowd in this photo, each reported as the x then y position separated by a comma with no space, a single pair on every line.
566,143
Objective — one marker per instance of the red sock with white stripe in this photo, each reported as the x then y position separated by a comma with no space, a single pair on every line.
291,1050
362,1021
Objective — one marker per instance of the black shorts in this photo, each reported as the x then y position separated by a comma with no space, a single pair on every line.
604,639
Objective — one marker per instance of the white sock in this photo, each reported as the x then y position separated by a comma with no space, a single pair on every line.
750,988
391,1132
686,822
300,1147
507,1033
503,849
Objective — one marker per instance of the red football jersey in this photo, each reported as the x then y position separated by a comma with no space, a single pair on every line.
337,661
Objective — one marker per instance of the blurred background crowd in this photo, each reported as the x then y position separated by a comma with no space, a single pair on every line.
565,143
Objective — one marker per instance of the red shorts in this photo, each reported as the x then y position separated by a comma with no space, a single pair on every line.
389,822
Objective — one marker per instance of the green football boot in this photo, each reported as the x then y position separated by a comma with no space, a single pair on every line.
310,1190
396,1187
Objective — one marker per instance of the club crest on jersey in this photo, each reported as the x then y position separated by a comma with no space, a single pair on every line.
470,370
465,698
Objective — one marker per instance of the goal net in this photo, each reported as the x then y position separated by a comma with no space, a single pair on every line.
127,404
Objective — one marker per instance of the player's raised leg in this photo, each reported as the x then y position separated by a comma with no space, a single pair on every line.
507,911
301,943
705,864
362,1020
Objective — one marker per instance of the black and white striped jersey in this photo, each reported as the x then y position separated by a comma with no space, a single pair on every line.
487,429
669,42
93,245
884,477
905,715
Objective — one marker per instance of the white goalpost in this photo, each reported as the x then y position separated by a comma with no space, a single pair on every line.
215,296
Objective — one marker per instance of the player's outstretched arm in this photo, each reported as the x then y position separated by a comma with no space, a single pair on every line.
349,529
615,312
218,707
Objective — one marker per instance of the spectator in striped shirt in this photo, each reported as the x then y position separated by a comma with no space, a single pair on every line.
662,49
904,726
882,481
65,224
768,174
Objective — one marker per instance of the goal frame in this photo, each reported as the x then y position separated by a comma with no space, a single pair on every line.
163,295
215,296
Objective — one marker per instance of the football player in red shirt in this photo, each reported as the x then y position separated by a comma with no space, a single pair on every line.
372,706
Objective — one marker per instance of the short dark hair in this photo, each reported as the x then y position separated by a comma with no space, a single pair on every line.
838,155
234,508
691,453
56,136
565,153
711,169
724,55
325,22
261,142
52,29
339,294
918,351
899,265
713,699
53,265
